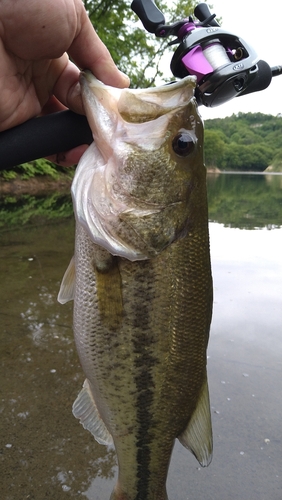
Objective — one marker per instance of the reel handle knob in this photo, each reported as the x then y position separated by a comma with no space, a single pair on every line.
149,14
202,12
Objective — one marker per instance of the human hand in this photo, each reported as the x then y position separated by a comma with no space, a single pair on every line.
36,75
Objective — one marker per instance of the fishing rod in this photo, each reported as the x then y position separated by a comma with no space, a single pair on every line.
225,67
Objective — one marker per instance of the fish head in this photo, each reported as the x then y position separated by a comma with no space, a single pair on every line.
138,187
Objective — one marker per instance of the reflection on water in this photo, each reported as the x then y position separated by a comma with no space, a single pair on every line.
25,208
47,454
246,200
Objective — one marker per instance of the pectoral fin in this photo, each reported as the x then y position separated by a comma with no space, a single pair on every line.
66,292
85,409
197,436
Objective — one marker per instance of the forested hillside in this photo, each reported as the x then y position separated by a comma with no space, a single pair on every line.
244,142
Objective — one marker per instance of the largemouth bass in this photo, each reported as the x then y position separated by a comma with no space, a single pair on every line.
141,281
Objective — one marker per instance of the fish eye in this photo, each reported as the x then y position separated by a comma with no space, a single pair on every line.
183,144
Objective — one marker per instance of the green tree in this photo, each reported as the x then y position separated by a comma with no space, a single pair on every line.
277,161
214,146
135,51
251,157
252,142
245,135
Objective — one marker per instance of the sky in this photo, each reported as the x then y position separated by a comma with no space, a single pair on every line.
260,25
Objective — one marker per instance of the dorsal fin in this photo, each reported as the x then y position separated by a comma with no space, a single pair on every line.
197,436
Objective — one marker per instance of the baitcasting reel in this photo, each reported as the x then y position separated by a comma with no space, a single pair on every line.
224,64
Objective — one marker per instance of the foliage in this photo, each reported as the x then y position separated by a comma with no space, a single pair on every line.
277,161
247,141
135,51
215,142
8,175
30,209
39,167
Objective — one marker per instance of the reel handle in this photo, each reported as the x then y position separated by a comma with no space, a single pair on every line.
149,14
202,12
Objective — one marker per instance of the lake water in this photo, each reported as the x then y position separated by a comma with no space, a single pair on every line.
45,453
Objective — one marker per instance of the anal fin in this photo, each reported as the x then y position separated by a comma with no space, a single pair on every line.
197,436
85,409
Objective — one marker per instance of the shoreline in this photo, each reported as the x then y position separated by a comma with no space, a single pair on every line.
34,185
41,185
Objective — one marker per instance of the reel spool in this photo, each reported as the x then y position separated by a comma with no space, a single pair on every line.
223,63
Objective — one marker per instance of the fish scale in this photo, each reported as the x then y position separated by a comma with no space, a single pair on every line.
141,322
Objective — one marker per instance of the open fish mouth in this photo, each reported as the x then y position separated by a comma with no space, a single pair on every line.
136,115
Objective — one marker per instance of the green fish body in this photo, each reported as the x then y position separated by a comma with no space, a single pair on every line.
141,281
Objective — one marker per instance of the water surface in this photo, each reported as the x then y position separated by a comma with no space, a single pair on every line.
45,451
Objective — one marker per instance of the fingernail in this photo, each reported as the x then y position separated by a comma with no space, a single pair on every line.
76,90
125,77
60,158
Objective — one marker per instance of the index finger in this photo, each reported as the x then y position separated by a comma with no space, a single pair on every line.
89,52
